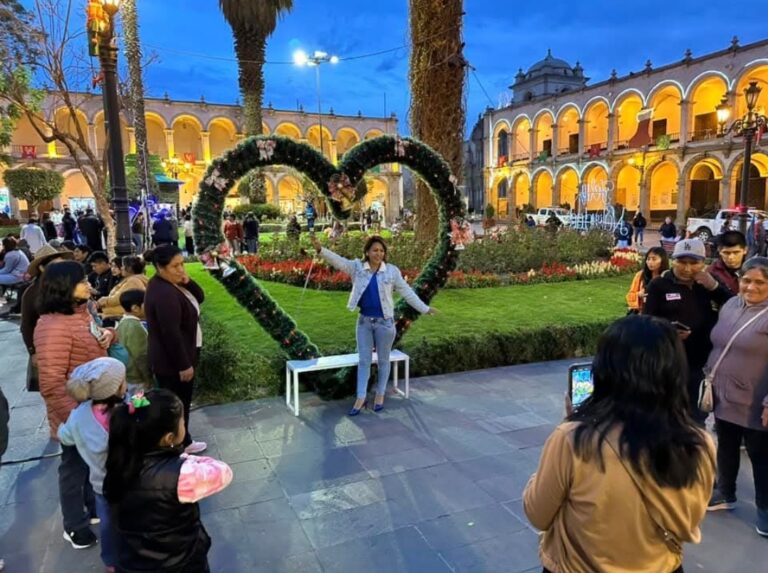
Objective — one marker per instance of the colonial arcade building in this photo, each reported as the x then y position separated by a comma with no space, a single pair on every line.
188,135
652,136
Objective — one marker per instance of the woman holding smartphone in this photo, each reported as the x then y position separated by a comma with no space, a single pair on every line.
66,336
656,262
624,481
373,283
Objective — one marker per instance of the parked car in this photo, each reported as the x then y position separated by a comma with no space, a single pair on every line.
545,213
705,229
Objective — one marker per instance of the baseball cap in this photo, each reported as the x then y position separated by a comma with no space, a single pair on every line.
690,248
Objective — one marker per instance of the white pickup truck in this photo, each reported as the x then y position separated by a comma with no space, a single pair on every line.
705,229
544,213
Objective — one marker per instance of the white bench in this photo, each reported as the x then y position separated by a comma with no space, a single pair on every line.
295,367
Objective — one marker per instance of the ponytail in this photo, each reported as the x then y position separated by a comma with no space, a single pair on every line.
134,432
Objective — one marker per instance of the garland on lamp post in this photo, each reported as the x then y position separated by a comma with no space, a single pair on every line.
339,186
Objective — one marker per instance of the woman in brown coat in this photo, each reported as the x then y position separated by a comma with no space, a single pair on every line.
172,309
625,480
741,390
65,338
133,279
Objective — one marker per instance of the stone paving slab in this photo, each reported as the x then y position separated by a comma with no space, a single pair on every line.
431,484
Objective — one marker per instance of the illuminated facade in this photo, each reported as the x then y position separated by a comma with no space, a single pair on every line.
191,134
652,136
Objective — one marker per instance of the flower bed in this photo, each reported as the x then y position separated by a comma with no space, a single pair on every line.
323,277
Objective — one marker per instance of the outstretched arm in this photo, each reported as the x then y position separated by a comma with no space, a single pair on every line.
409,294
337,261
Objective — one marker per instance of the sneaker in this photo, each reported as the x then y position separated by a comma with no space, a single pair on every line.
719,502
81,539
762,522
196,448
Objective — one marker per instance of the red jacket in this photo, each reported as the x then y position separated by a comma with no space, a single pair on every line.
233,230
725,276
63,342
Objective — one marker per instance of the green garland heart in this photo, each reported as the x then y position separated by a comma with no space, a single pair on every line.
339,185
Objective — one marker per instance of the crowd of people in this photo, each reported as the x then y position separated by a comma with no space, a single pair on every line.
114,355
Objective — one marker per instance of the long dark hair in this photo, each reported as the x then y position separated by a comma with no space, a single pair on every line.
133,435
57,287
661,253
640,375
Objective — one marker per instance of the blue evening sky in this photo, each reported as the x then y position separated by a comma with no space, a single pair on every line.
500,37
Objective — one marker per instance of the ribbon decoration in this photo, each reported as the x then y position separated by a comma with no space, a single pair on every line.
138,400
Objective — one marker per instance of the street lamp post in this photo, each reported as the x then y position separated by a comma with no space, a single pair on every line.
301,58
745,127
107,52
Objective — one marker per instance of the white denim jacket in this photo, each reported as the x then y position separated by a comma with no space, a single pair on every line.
388,277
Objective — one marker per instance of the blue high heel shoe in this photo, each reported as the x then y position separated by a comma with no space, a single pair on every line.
378,407
355,411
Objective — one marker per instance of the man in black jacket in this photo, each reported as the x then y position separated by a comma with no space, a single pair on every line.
70,224
91,228
689,297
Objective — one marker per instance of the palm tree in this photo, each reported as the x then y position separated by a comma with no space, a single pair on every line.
437,76
252,22
136,91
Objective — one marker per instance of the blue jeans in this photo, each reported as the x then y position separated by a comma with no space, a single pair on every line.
639,235
378,332
107,537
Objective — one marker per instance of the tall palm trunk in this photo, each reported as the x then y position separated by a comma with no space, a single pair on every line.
136,91
251,48
437,75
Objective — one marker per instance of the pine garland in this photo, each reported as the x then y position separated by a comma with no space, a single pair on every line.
339,186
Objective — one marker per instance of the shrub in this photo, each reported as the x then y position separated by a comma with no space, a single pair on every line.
228,373
261,210
34,185
489,211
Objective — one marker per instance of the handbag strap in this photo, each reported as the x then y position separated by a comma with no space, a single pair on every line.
730,342
672,542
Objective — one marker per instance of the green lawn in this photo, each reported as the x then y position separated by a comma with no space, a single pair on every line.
323,315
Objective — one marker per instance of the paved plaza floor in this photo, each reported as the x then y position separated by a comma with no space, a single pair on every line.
432,484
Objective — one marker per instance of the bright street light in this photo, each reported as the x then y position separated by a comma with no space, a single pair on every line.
300,58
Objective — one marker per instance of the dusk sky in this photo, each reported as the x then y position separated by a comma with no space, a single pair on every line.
500,37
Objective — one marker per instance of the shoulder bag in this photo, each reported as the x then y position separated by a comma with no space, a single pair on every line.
706,394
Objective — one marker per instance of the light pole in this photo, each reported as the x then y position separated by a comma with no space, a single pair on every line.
103,45
745,127
301,58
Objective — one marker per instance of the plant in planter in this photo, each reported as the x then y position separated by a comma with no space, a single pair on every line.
489,221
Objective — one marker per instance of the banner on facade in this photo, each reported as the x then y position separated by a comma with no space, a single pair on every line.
189,158
642,136
29,151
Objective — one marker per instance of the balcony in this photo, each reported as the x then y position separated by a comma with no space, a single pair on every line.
703,135
28,151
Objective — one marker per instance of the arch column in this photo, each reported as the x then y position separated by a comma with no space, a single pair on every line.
333,150
131,139
92,142
645,195
725,191
685,112
531,144
169,143
681,184
239,137
206,139
555,140
611,133
50,146
582,136
556,186
532,191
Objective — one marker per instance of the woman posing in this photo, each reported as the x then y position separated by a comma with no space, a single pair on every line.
656,262
625,480
373,283
741,389
66,337
172,309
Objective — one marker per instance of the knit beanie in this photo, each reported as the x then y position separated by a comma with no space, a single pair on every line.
96,380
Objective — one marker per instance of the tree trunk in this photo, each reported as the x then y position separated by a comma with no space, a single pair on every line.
251,47
437,75
136,91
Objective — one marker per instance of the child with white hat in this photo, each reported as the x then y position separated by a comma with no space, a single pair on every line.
99,385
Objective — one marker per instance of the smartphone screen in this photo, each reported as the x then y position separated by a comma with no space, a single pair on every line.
96,330
580,385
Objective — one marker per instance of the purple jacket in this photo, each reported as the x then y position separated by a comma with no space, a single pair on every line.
741,380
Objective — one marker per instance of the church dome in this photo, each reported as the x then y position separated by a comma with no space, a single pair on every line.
549,65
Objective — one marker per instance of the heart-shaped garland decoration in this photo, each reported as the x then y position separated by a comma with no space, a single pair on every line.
340,187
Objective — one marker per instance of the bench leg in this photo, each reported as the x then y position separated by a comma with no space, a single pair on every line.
296,393
407,378
395,375
288,389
